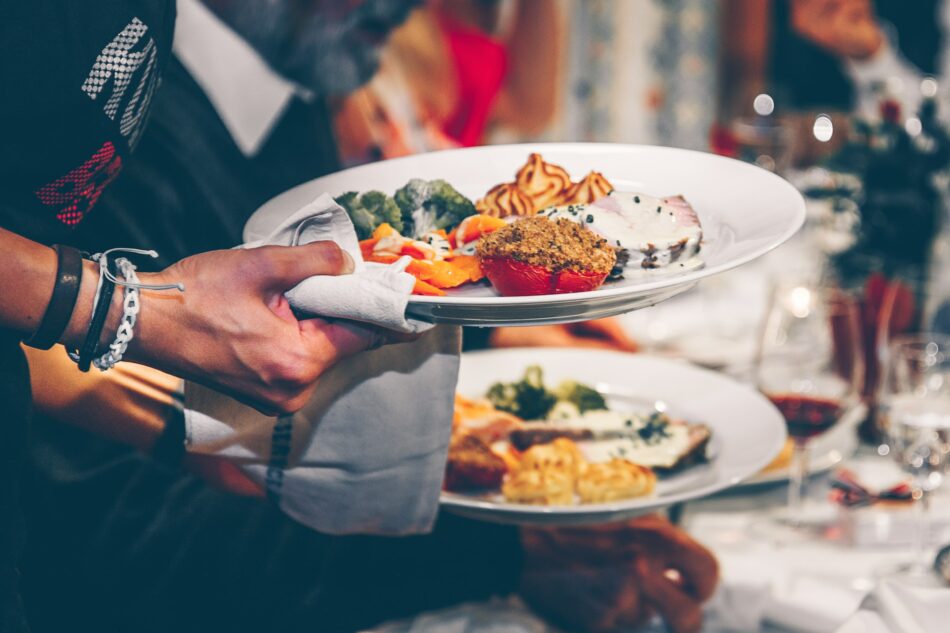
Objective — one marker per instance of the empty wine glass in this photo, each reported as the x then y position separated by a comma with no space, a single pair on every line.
810,365
915,418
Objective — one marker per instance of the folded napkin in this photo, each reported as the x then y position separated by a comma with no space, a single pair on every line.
896,607
374,294
367,453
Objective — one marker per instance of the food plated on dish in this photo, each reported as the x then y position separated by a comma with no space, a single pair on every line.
526,443
745,212
541,234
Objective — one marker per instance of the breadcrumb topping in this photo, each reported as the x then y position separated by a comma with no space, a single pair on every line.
555,244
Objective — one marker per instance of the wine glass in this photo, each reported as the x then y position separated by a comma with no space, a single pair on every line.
915,418
810,365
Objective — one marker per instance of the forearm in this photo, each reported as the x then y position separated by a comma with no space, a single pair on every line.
26,284
128,404
534,49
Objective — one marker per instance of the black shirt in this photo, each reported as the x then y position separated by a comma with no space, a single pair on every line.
78,81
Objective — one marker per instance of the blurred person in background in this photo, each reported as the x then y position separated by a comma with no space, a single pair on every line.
830,56
454,71
884,47
174,542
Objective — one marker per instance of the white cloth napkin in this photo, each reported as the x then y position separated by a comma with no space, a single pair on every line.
367,453
896,607
373,294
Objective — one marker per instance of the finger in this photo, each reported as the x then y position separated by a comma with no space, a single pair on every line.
333,340
696,565
286,266
698,568
609,330
682,613
662,541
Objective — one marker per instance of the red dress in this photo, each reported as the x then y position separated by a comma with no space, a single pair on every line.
481,64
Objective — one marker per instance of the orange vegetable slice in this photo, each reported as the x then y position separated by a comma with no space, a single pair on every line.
474,226
383,230
422,288
469,264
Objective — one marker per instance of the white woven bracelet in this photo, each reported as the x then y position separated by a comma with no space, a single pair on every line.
130,312
130,302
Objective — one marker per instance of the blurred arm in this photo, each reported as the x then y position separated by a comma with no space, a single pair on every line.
128,404
529,99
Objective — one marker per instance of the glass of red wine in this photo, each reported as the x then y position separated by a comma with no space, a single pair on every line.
810,364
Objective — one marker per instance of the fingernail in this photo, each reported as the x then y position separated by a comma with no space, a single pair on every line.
348,264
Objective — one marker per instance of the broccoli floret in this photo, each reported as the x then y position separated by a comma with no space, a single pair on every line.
585,398
528,398
383,208
369,210
431,205
452,207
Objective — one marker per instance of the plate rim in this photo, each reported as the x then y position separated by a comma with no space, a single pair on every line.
526,512
601,293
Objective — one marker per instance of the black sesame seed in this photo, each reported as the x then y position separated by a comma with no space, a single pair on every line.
590,219
636,199
658,209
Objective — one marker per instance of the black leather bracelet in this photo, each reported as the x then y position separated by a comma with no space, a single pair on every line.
91,343
63,300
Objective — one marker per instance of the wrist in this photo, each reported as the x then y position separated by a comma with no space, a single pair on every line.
82,313
78,326
158,309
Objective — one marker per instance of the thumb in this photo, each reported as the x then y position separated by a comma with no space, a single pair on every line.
286,266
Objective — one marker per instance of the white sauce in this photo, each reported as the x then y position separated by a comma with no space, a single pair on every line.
658,451
654,231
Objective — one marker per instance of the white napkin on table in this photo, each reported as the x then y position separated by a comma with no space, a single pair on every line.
367,453
895,607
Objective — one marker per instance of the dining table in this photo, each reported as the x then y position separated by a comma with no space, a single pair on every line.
837,575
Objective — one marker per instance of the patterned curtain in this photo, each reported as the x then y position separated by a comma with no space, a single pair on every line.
640,71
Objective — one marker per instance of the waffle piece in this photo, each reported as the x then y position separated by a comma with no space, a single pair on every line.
539,487
613,480
561,455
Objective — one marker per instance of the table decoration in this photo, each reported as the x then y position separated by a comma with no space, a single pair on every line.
893,173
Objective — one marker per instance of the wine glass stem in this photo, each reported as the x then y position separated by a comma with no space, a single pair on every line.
796,483
922,510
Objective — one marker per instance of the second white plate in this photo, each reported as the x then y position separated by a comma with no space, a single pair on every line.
747,430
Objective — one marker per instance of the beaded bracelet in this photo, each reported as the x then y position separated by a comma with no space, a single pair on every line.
107,283
130,312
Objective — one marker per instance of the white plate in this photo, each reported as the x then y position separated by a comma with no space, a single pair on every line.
745,212
747,430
